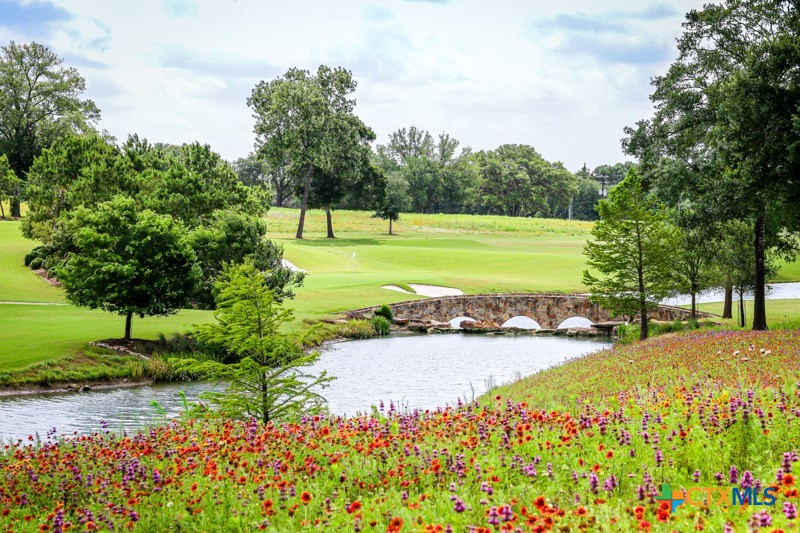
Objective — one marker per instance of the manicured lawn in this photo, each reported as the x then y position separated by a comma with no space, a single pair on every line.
777,310
32,333
17,282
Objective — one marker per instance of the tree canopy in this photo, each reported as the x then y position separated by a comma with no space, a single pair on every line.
40,100
725,132
128,261
306,122
632,252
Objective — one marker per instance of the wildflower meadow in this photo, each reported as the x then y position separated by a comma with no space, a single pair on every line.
588,445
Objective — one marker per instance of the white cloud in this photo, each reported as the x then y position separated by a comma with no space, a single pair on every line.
564,77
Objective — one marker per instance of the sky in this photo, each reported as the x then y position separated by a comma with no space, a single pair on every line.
563,77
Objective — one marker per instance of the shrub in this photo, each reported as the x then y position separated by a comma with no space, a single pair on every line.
357,329
36,263
381,325
37,252
384,311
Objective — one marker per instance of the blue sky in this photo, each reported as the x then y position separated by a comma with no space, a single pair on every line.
564,77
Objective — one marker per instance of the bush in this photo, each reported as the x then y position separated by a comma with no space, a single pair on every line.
381,325
37,252
357,329
384,311
36,263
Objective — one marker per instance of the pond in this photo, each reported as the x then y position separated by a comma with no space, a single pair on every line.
425,371
775,291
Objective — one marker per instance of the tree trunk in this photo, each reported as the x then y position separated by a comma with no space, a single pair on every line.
330,222
759,296
128,318
643,322
390,226
304,204
741,310
727,309
2,211
15,208
694,303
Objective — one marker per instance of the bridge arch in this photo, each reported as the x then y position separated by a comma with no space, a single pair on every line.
575,322
456,322
521,322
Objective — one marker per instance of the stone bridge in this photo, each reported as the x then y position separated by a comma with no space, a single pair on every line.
549,310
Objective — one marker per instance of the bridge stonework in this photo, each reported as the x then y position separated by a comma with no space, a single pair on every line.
549,310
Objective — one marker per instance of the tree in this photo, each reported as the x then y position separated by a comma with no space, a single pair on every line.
191,182
608,176
269,381
586,196
516,181
737,261
396,200
727,111
75,171
694,264
9,183
234,238
632,251
306,122
128,261
39,101
254,171
440,177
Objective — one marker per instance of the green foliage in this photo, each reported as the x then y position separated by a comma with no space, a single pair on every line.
269,381
396,199
10,184
725,129
385,311
191,182
230,237
76,171
36,263
255,171
633,251
128,261
380,325
37,253
356,329
39,102
516,181
306,122
438,177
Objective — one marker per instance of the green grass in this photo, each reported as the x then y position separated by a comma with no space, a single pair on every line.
777,311
33,333
477,254
17,282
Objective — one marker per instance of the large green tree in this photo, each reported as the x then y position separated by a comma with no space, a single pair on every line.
727,117
631,256
440,176
270,381
128,261
515,180
40,100
306,122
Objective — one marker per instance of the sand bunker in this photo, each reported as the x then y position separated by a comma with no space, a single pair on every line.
291,266
427,290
